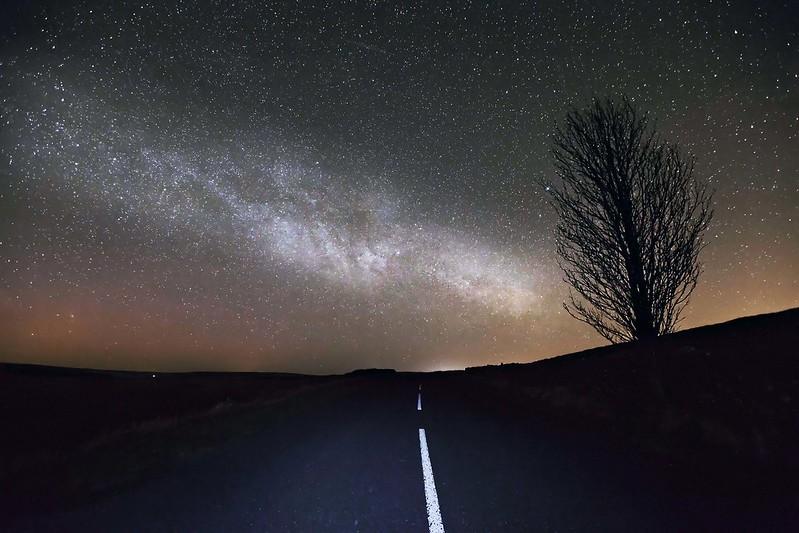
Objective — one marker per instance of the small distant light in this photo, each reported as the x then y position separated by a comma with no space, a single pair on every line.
153,375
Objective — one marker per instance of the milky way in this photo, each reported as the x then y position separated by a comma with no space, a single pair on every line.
268,208
281,187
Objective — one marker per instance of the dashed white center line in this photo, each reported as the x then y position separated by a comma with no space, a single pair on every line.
419,402
433,512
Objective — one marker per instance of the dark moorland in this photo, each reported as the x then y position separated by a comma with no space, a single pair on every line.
694,431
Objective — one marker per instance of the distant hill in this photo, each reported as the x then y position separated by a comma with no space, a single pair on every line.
52,370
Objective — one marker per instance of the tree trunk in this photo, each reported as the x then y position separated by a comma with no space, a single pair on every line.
639,290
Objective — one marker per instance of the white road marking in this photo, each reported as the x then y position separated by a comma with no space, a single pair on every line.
419,402
433,512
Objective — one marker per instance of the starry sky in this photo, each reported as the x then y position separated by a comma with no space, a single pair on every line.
318,187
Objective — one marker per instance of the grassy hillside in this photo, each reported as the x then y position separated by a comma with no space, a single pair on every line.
726,390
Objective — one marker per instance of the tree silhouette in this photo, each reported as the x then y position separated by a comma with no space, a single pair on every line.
631,221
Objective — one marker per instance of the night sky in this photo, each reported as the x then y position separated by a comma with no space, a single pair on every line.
297,187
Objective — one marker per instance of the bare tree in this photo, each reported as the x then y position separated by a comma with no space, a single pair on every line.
631,221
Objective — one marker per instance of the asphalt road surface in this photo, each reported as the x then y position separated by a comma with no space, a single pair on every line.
351,457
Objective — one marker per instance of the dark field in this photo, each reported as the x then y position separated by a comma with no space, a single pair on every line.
74,434
696,431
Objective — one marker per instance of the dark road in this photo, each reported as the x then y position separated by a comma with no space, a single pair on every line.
347,457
